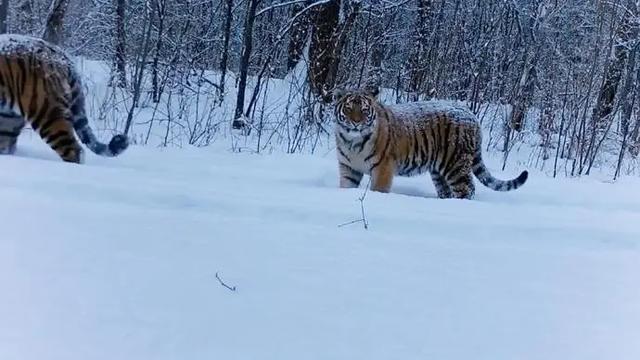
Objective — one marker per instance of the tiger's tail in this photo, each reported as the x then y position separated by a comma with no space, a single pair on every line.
118,144
484,176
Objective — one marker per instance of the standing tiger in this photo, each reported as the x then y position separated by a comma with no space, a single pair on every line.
410,139
40,86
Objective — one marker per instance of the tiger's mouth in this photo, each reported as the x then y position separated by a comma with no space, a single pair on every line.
354,128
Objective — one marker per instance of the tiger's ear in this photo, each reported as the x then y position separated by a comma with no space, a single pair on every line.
333,95
372,90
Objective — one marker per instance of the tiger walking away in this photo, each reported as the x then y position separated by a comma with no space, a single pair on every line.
383,141
39,85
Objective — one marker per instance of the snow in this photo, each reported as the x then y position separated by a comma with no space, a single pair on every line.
116,259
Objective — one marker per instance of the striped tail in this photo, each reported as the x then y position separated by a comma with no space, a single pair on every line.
484,176
118,143
116,146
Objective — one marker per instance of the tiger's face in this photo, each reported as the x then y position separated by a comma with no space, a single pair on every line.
355,110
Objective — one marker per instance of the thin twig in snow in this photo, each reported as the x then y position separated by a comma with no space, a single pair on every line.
232,288
363,219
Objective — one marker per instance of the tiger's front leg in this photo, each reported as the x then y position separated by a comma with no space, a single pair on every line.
349,178
8,144
382,176
10,127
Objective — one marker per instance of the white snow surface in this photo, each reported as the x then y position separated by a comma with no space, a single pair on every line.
116,259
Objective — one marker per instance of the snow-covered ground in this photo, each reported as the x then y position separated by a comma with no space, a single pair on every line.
116,259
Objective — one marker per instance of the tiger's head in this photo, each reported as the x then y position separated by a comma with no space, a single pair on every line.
355,110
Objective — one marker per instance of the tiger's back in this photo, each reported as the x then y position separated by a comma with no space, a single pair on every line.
40,86
439,138
429,134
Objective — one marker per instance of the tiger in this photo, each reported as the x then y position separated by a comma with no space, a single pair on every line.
40,85
383,141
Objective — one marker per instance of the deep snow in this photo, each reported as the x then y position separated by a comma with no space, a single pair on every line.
116,259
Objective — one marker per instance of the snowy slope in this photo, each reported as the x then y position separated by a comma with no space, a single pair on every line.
116,259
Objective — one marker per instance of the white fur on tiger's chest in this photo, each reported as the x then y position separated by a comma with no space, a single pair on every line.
357,162
356,149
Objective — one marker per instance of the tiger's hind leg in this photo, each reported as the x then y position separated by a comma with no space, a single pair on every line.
460,180
462,187
442,188
10,127
58,132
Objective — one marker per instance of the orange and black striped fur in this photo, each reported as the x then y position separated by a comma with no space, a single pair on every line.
40,86
410,139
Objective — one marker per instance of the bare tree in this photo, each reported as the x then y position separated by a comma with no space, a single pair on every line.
4,15
121,45
327,40
247,47
299,34
160,11
613,74
602,115
25,14
323,45
224,59
418,60
55,21
630,94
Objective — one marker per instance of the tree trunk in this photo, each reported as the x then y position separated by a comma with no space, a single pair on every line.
224,59
25,14
634,140
327,40
613,75
121,57
299,33
547,118
523,94
161,8
600,117
525,88
4,13
247,45
322,48
54,27
629,92
375,72
418,59
142,61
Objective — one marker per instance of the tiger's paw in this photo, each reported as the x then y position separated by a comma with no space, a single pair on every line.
7,147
